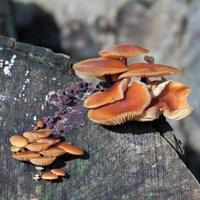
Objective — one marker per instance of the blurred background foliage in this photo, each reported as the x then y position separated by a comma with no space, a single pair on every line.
169,28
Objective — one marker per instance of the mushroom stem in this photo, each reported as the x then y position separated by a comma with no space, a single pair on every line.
109,79
143,79
124,60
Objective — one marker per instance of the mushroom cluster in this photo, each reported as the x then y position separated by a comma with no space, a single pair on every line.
40,148
132,94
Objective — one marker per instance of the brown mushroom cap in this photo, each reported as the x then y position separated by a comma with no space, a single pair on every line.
58,172
18,141
123,50
53,152
173,101
99,67
34,135
50,141
115,93
149,70
42,161
71,149
49,176
26,155
37,146
137,98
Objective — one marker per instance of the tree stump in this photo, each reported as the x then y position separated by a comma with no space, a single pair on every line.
131,161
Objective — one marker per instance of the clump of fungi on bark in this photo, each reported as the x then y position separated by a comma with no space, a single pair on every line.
132,95
40,148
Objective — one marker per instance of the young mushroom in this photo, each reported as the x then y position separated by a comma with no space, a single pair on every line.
123,51
35,135
49,176
115,93
137,98
26,155
43,160
37,146
18,141
53,152
71,149
58,172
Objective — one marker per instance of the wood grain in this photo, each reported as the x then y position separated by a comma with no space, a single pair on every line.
131,161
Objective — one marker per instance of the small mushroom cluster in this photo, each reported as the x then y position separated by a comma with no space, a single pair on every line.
41,149
132,95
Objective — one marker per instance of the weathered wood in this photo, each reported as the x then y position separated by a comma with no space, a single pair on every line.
131,161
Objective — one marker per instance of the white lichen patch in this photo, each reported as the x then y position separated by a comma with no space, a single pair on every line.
35,118
7,65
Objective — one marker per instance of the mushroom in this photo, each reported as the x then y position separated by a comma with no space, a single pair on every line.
123,51
173,101
34,135
58,172
37,146
149,70
156,87
50,141
115,93
18,141
99,67
49,176
53,152
43,160
25,156
16,149
40,124
150,113
137,98
71,149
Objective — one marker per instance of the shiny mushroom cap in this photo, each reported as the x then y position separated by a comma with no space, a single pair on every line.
50,141
123,50
42,161
115,93
71,149
37,146
26,155
137,98
18,141
49,176
98,67
34,135
58,172
53,152
173,101
149,70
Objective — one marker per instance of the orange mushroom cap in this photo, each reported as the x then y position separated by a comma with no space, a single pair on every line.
123,50
173,101
115,93
137,98
99,67
149,70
